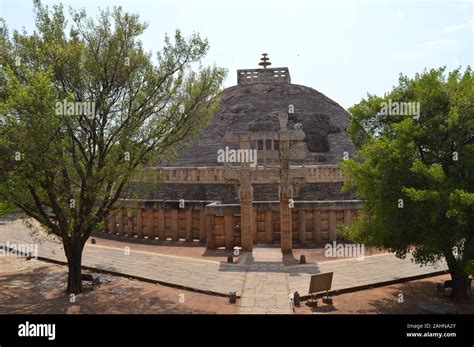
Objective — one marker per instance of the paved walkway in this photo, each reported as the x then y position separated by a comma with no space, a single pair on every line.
202,275
266,284
352,273
261,279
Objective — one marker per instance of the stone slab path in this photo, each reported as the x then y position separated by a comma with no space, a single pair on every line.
192,273
260,278
352,273
266,284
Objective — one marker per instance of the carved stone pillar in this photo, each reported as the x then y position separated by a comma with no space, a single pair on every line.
246,199
139,231
246,224
188,216
332,234
174,225
286,194
202,226
161,223
229,231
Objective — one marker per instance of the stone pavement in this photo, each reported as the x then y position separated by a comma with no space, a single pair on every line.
266,284
189,273
352,273
261,279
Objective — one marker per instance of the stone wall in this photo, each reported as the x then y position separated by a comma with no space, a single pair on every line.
217,225
226,193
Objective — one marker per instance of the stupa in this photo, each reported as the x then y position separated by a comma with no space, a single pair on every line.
290,195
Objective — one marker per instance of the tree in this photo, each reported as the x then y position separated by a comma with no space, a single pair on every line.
86,110
415,171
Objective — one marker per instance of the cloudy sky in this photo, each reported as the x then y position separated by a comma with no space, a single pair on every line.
341,48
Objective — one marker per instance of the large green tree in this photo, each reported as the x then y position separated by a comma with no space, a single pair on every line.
415,171
65,167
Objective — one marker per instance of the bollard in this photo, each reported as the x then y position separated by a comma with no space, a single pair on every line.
232,297
296,299
302,259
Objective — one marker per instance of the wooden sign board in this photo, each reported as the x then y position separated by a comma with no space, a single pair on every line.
320,282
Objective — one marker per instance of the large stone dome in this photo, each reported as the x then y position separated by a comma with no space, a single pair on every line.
253,105
250,107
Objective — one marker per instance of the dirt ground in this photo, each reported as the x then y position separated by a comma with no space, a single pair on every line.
317,254
180,248
176,248
418,296
38,287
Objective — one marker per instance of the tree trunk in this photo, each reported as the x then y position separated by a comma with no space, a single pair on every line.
74,259
460,279
460,283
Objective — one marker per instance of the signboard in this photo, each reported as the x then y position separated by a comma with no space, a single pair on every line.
320,282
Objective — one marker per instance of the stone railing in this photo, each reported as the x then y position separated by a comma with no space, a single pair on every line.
159,220
312,222
269,75
211,174
217,224
215,174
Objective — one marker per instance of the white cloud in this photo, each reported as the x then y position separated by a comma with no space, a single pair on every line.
400,14
440,44
459,27
426,49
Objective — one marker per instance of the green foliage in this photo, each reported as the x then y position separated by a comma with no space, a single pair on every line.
5,209
427,162
69,170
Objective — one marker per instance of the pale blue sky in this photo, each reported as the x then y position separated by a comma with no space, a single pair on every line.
343,49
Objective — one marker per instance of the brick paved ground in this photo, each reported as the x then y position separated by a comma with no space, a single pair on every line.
261,278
